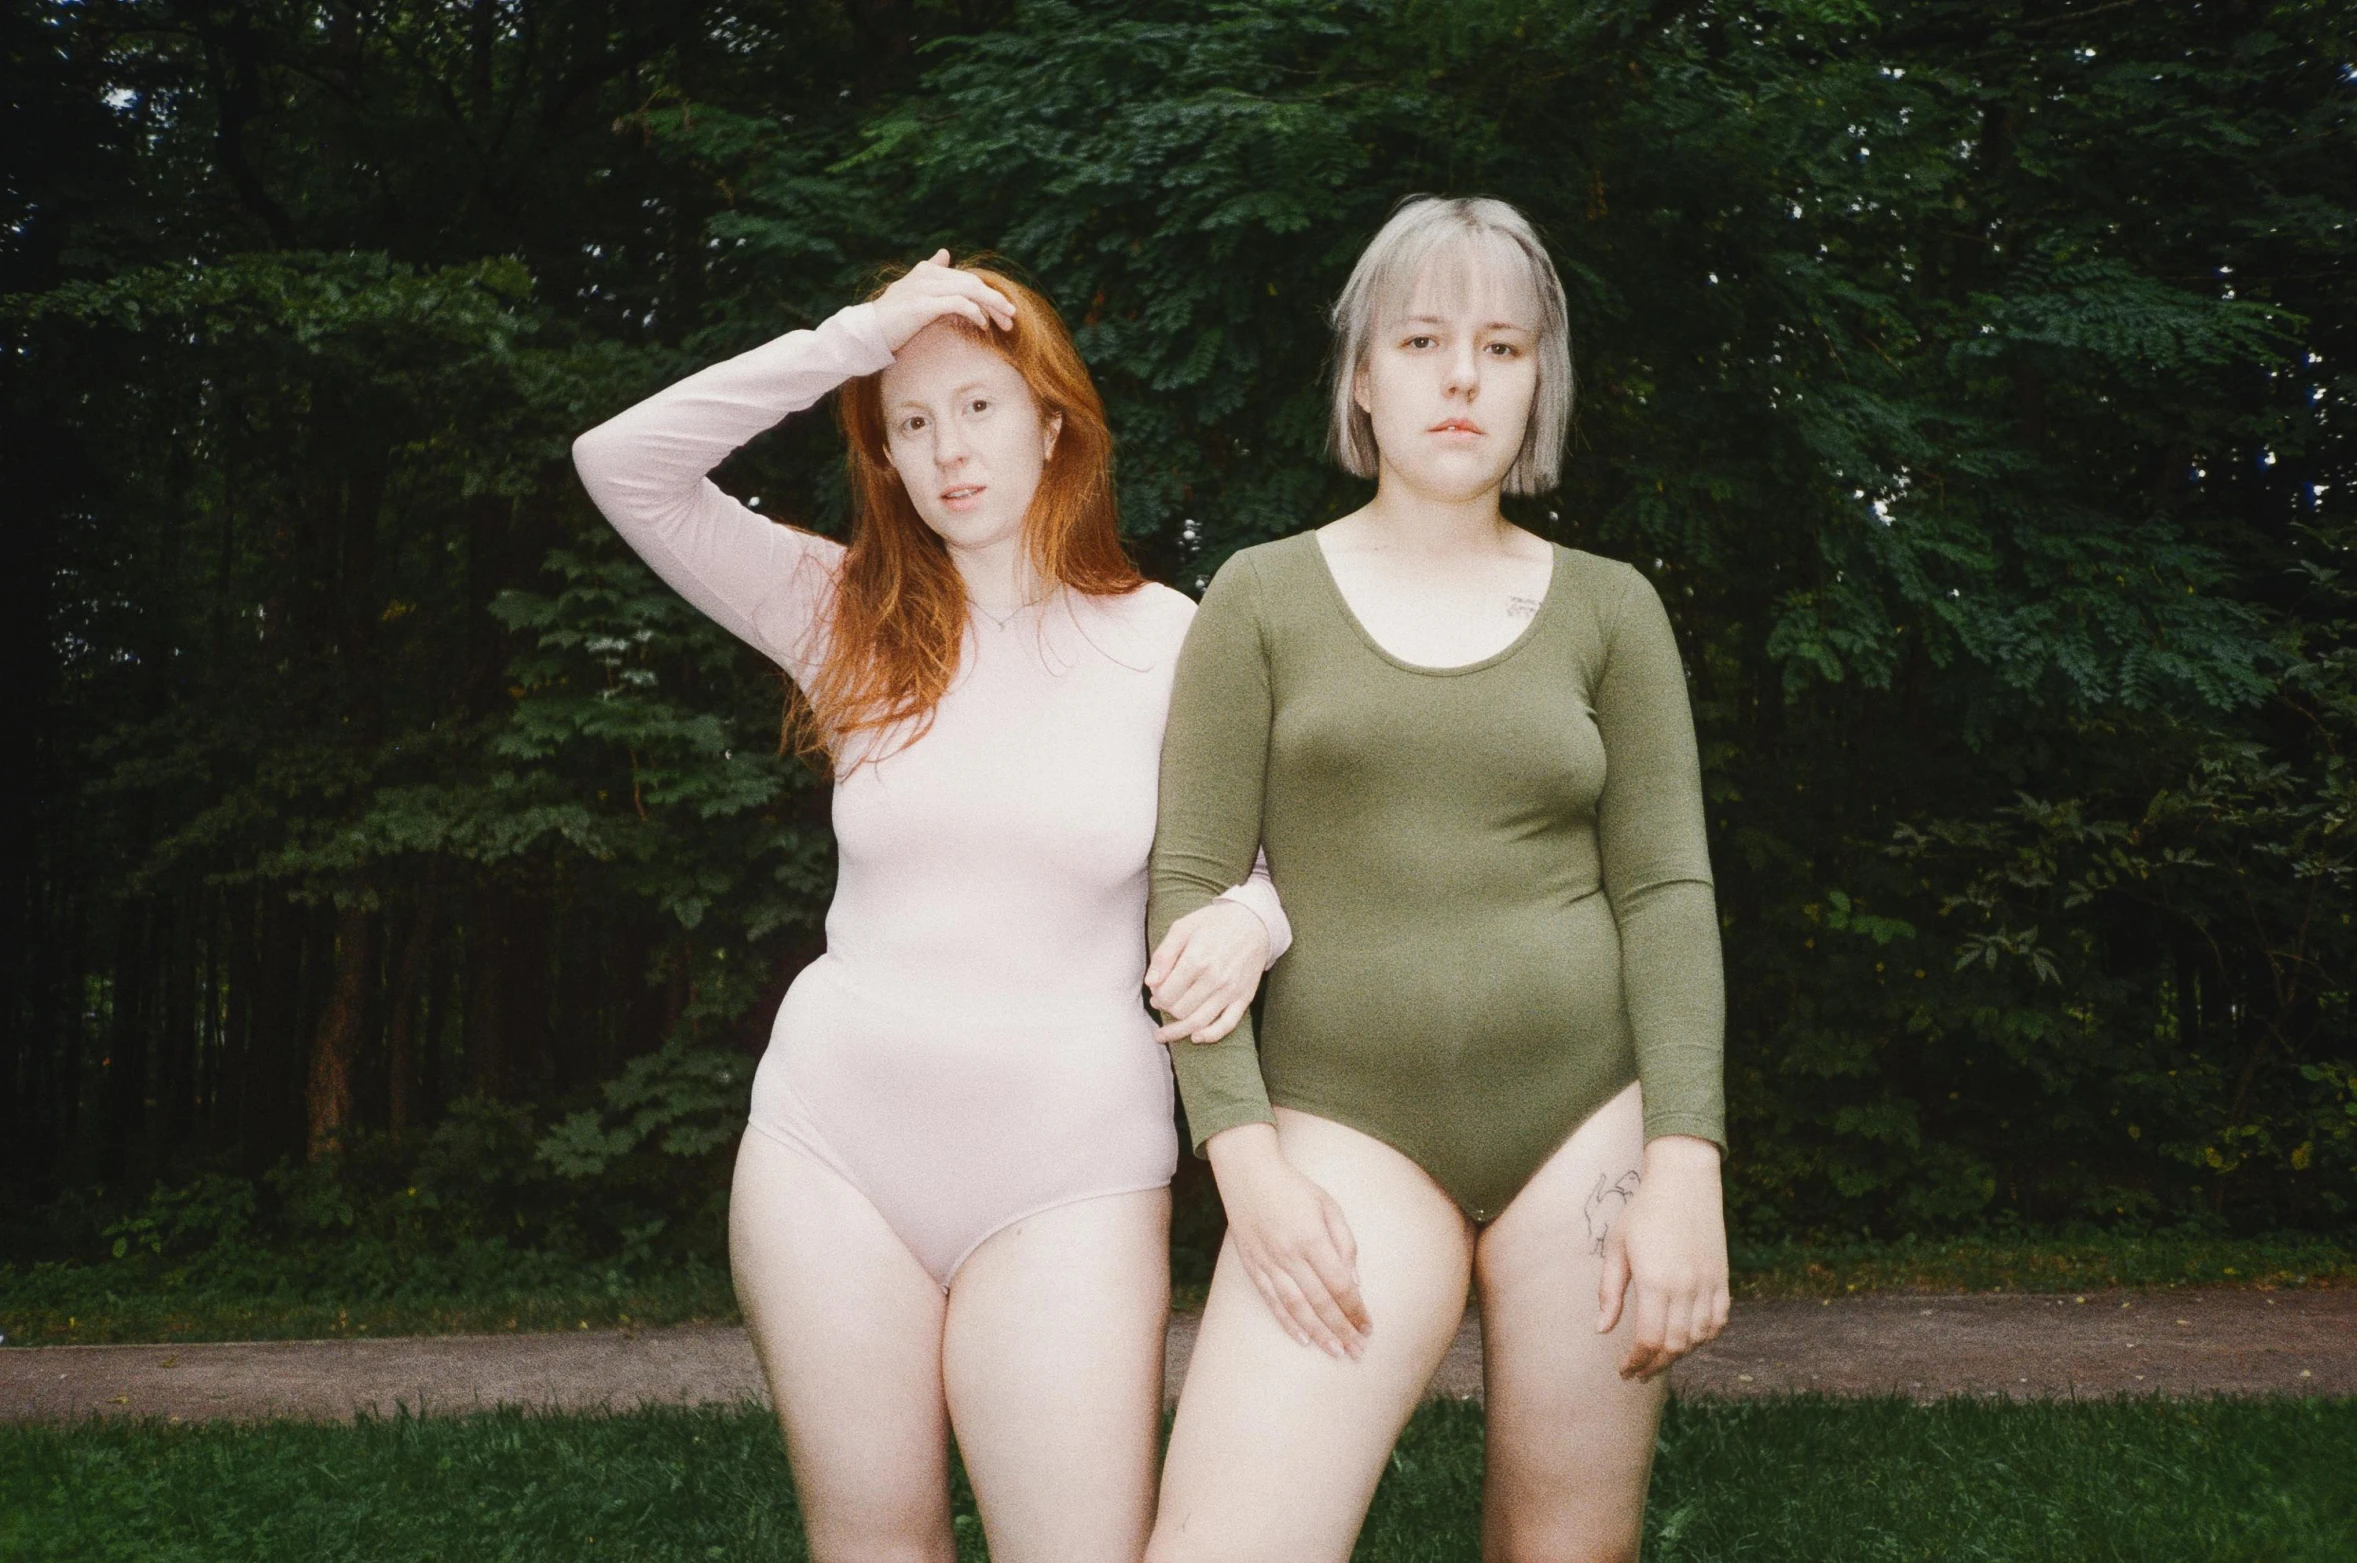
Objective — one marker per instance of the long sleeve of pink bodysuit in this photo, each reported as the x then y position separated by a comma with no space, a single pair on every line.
645,468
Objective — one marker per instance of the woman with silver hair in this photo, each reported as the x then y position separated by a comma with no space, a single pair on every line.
1492,1055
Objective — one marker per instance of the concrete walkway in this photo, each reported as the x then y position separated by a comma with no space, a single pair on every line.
1923,1346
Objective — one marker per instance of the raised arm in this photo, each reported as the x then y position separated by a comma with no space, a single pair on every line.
645,468
1657,878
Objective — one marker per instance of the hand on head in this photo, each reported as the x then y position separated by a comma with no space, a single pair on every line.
932,289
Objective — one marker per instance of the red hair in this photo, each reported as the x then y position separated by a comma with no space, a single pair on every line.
898,622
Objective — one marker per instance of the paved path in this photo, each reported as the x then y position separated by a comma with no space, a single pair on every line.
2117,1343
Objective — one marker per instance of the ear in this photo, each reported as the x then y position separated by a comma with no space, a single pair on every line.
1049,427
1359,393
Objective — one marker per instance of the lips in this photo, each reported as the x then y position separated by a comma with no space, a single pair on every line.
962,493
1456,426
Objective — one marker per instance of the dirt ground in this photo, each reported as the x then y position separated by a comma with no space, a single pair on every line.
1923,1346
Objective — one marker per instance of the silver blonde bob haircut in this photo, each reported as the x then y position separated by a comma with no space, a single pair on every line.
1421,228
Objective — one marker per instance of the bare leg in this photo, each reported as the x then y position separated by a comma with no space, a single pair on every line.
1570,1441
1053,1362
1278,1447
848,1328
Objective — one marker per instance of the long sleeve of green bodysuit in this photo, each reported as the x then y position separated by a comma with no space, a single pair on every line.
1656,861
1214,769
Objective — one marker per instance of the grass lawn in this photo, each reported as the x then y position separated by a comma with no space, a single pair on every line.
2139,1482
93,1304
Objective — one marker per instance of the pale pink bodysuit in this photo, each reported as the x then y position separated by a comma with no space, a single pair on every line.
971,1048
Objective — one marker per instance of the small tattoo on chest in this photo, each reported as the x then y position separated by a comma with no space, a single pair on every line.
1521,607
1608,1200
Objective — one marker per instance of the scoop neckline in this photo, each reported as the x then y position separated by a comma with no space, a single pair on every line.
1555,552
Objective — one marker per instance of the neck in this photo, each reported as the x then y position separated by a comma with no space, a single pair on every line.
1407,518
998,575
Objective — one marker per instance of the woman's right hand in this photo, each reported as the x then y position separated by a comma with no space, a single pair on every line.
934,288
1292,1239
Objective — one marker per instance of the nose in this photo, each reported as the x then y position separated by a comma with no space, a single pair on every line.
950,446
1464,377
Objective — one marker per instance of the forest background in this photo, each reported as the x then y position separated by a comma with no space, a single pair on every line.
402,880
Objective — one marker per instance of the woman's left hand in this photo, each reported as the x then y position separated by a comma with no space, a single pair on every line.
1206,969
1670,1249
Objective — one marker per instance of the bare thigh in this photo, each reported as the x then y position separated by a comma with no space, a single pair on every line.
1570,1441
848,1328
1053,1361
1278,1447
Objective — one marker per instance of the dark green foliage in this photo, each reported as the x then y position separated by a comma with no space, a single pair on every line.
1970,379
2137,1481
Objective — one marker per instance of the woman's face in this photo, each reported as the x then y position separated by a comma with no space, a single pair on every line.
965,435
1448,383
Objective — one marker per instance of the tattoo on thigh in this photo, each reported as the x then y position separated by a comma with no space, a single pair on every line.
1605,1204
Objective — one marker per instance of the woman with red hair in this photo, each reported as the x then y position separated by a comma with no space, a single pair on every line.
952,1209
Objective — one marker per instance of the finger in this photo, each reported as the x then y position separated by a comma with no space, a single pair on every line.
1346,1252
1185,992
1719,1309
1334,1293
1336,1334
988,297
1197,1018
1642,1362
1264,1282
1311,1330
1677,1329
1652,1328
1166,955
1226,1021
1698,1328
1612,1283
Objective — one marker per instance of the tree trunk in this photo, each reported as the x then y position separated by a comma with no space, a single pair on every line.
481,986
328,1091
272,1057
177,1029
126,1045
401,1027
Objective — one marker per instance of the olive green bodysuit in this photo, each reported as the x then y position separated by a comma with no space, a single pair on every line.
1496,873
